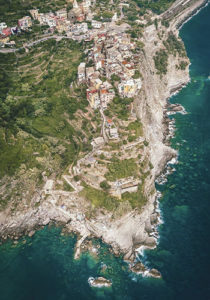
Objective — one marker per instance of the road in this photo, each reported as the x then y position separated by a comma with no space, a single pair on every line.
103,131
31,44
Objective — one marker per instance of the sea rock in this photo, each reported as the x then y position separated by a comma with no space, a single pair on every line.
129,255
138,268
153,218
31,233
99,282
47,221
148,226
139,238
150,242
103,267
154,273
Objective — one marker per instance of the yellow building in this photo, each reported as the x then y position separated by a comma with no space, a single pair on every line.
4,40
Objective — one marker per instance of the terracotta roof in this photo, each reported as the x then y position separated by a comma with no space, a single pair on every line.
6,31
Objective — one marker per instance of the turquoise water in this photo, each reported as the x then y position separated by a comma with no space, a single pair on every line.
43,267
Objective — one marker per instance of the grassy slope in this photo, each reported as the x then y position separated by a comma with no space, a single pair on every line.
157,6
37,108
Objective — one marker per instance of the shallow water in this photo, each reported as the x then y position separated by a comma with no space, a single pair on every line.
43,267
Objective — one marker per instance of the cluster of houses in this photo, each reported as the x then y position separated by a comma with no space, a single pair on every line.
5,32
70,23
110,55
63,21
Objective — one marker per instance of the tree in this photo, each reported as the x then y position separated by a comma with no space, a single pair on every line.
104,185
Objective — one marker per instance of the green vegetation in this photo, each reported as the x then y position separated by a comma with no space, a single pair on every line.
165,23
136,32
119,107
183,65
174,45
139,45
131,12
114,78
99,198
121,169
76,177
37,106
161,61
137,200
135,128
104,185
67,187
104,16
157,6
137,74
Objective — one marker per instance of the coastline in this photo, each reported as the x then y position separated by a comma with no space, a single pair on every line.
45,216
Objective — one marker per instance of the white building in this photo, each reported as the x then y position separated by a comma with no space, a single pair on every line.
87,3
113,132
81,72
3,25
77,29
75,4
48,186
51,22
128,88
97,141
114,18
96,24
62,13
25,23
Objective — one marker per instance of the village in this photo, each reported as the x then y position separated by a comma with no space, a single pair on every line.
71,23
109,71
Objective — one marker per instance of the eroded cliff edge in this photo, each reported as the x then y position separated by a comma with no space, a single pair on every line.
132,228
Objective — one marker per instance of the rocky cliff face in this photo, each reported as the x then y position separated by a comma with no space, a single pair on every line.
151,103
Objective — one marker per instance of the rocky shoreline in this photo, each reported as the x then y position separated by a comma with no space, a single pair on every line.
135,230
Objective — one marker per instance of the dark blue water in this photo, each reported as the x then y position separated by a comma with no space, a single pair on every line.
43,267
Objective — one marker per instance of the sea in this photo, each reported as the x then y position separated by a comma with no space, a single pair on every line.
43,267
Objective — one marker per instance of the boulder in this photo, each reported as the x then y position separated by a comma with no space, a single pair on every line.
138,268
154,273
99,282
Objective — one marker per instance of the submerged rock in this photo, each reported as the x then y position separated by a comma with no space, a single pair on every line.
154,273
99,282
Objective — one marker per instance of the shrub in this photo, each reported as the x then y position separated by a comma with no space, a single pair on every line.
104,185
121,169
161,61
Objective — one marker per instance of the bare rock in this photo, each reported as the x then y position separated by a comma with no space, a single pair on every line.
148,226
99,282
154,273
31,233
153,218
47,221
150,242
129,256
138,268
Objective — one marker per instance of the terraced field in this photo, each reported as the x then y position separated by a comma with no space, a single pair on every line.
41,106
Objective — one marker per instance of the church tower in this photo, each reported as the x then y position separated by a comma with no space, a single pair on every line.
75,4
